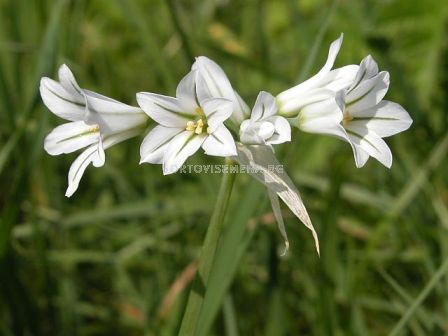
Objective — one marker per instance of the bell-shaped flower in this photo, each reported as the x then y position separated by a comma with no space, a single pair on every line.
191,120
265,126
367,118
218,86
313,105
96,123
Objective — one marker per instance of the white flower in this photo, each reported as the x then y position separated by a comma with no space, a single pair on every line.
96,122
218,86
191,120
265,127
312,105
368,118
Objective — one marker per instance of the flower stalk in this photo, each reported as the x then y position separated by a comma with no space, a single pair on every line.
208,252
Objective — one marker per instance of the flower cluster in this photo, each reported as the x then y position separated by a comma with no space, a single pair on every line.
208,113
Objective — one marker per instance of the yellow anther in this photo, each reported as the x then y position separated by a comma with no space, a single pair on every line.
199,126
190,126
198,129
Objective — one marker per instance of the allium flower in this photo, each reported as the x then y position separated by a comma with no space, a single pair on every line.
192,120
311,105
367,118
346,102
96,122
265,126
218,86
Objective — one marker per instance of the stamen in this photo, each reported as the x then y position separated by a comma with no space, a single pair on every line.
199,126
190,126
196,127
95,129
200,111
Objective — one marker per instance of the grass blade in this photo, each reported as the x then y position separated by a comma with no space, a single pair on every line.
435,279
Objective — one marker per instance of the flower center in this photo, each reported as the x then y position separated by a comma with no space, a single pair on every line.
347,117
199,125
200,112
95,129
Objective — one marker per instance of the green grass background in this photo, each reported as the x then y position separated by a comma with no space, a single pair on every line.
104,261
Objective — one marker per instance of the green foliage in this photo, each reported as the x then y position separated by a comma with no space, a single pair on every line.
117,257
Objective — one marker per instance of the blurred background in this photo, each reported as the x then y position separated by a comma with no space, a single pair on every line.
118,257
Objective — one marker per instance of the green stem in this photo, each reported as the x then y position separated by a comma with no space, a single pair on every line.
197,293
189,55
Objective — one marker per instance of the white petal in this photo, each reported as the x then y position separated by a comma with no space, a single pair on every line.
113,139
240,105
257,110
217,111
94,154
264,125
111,115
323,117
181,147
306,92
218,86
166,111
202,90
257,133
332,53
367,69
215,78
60,101
78,167
385,119
187,91
107,105
249,134
265,129
282,131
70,137
319,80
99,159
292,106
325,127
155,144
264,107
220,143
361,156
68,81
371,143
368,93
245,125
340,78
110,140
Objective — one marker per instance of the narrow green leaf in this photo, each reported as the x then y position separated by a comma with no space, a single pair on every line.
435,279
